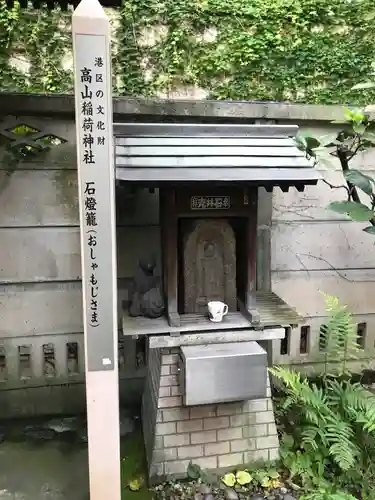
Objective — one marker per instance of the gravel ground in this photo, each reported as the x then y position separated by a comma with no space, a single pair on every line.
196,491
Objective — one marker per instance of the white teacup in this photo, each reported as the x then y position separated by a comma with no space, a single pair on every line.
217,310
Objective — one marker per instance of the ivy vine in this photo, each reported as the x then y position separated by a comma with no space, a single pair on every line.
283,50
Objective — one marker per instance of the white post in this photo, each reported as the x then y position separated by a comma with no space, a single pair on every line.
93,100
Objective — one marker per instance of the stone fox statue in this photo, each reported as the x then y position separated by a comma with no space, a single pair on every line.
147,295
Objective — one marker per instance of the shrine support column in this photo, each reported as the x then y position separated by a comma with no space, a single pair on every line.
96,184
170,261
252,225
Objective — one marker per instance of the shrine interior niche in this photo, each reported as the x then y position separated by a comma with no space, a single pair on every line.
209,249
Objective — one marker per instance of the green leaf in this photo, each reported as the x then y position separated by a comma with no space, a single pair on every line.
136,483
364,85
356,211
358,115
260,475
369,136
359,128
194,471
328,140
306,141
312,142
300,142
266,483
243,477
323,157
370,229
287,441
229,479
273,474
348,114
360,180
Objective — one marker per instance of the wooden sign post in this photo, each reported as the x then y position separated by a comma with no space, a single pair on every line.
96,182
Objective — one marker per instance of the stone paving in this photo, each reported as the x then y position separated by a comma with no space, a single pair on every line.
47,459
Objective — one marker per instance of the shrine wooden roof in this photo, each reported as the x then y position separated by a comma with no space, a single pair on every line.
265,155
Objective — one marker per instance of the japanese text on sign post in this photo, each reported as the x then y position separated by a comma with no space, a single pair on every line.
96,196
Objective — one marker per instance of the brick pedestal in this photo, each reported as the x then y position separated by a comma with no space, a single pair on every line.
216,437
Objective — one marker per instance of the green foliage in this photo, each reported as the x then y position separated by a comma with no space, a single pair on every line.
361,180
328,494
299,50
37,40
357,135
133,483
229,479
194,471
265,476
329,424
356,211
338,339
241,478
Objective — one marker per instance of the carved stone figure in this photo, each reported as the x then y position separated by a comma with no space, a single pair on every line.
147,296
209,264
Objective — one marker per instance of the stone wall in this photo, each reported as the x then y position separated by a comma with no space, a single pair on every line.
41,330
316,250
312,249
215,437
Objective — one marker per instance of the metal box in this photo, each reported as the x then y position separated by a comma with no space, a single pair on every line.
219,373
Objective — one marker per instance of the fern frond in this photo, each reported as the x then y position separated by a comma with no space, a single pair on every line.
367,416
339,435
308,437
354,400
338,336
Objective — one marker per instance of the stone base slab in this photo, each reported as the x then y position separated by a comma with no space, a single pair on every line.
216,437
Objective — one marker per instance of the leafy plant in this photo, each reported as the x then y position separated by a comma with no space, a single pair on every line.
330,422
229,480
278,50
356,135
328,494
194,471
136,483
241,477
338,342
265,477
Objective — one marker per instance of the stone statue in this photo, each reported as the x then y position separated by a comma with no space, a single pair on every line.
147,296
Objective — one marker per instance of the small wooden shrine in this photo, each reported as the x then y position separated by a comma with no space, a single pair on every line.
207,397
208,178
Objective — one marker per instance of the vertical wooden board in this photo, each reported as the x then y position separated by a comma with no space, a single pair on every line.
134,243
170,229
137,208
263,242
251,246
327,245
